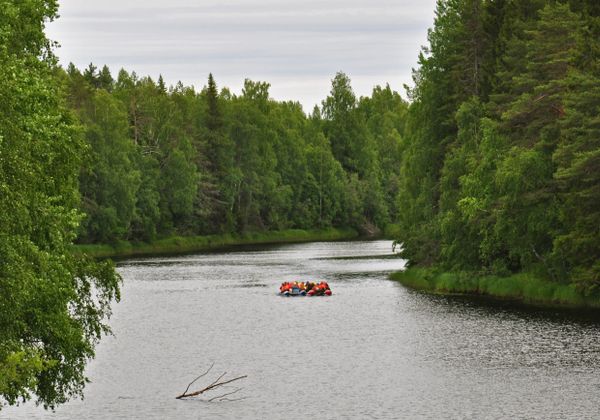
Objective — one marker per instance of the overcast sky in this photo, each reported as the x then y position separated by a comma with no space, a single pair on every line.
296,45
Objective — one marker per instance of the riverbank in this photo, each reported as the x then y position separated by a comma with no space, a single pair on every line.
523,288
186,244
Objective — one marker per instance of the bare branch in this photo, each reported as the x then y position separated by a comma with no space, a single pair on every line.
216,380
191,383
212,386
215,384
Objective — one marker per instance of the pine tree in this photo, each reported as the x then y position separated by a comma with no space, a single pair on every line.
219,152
105,80
91,76
162,88
576,252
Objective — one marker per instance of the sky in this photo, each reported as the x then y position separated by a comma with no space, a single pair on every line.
295,45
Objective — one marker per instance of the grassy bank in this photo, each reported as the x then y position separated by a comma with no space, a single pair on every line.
522,287
183,244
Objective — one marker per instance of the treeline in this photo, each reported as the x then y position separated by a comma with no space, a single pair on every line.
165,161
501,167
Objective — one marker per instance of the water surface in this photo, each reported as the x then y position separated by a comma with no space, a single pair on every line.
372,350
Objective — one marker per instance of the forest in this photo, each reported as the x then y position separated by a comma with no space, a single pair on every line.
500,169
492,166
176,161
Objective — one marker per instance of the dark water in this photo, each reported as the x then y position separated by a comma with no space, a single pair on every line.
372,350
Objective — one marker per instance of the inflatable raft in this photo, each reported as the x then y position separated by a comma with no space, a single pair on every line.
304,289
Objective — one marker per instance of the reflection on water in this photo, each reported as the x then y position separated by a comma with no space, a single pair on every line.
372,350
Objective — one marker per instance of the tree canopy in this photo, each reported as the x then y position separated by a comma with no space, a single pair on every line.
53,305
498,172
174,160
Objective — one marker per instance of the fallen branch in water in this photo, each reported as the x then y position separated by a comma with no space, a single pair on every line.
219,382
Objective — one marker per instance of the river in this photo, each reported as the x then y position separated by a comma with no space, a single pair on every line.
372,350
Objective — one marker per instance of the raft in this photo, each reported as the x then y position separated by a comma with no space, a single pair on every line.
304,289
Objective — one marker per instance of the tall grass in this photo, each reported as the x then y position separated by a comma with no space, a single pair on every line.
522,287
182,244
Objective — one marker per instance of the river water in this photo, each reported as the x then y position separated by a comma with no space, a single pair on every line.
372,350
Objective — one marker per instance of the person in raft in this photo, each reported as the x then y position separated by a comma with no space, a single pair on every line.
320,290
288,286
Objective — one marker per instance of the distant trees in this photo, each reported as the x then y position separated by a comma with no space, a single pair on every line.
108,184
175,161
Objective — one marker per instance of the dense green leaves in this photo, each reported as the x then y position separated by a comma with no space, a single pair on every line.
109,185
167,161
504,180
52,305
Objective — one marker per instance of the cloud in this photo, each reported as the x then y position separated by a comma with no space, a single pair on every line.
296,45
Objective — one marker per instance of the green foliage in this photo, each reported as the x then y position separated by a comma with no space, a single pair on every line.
179,183
53,305
176,162
109,188
577,157
22,27
504,181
